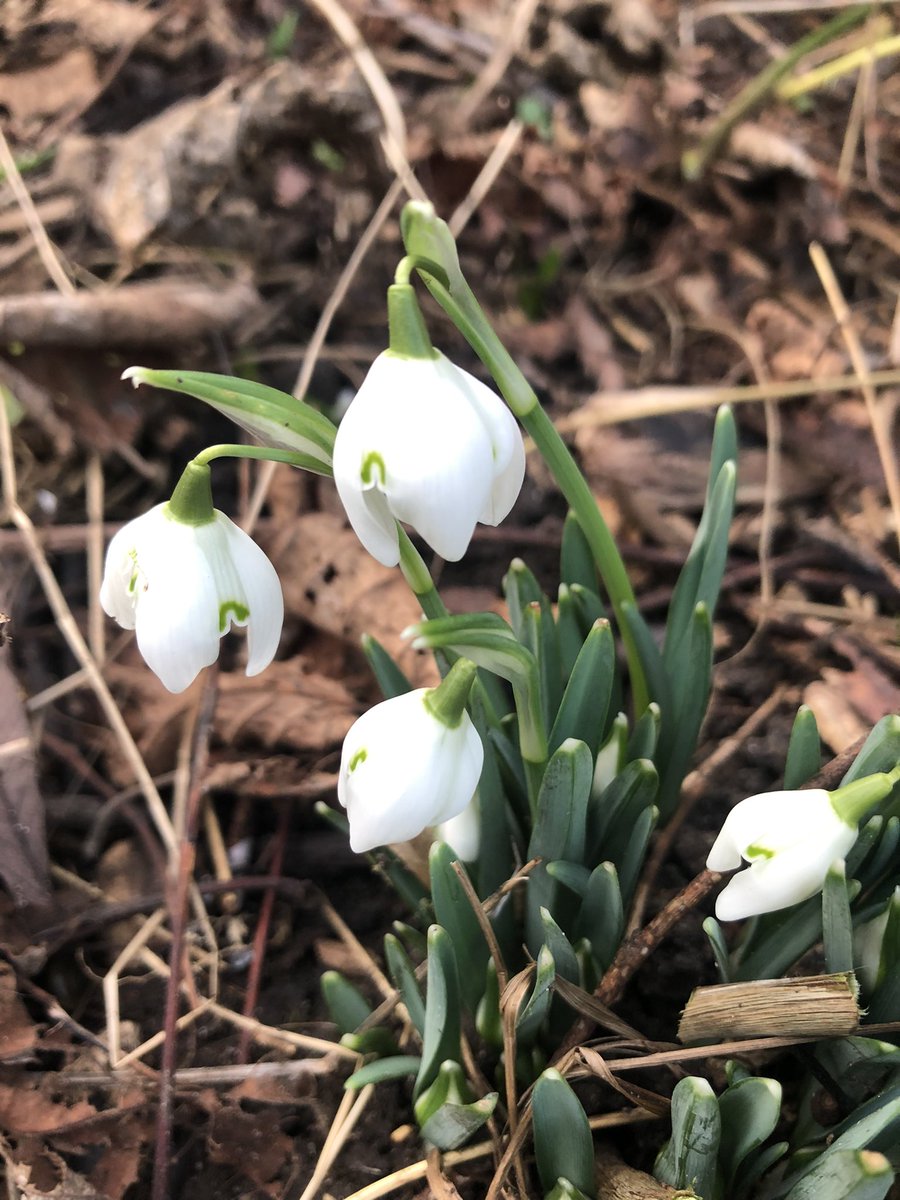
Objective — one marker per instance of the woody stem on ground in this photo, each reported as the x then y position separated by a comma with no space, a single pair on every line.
177,891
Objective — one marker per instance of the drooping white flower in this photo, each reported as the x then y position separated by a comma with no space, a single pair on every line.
181,586
426,443
790,839
403,768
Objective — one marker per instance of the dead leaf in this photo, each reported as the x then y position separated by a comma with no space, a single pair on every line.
18,1033
839,723
249,1143
330,580
45,1175
26,1109
288,706
24,864
50,90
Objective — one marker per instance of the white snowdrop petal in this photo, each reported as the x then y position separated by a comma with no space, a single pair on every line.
262,596
177,617
462,833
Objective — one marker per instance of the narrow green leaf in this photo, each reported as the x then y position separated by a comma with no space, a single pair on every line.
609,814
520,589
559,828
571,875
689,1158
576,563
388,675
403,974
539,635
496,859
454,1124
645,735
880,751
560,947
749,1111
346,1004
846,1175
564,1190
440,1037
488,1021
563,1145
585,703
837,923
713,931
274,417
649,656
568,630
602,917
536,1008
691,674
804,756
383,1070
635,852
884,1003
453,912
708,540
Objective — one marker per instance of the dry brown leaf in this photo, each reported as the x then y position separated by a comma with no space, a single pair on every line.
23,847
330,581
45,1175
249,1143
26,1109
18,1033
51,89
839,723
286,706
103,24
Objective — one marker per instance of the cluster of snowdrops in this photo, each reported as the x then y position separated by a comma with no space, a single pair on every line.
559,736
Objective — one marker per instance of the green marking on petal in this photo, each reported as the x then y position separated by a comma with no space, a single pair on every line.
757,851
371,463
132,582
359,757
232,608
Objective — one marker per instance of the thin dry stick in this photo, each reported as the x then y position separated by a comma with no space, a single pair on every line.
854,128
689,19
337,1136
94,547
484,181
515,28
179,888
263,923
614,408
111,983
394,137
880,427
357,950
45,248
70,631
381,214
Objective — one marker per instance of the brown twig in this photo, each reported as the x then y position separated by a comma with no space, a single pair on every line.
261,935
180,885
636,950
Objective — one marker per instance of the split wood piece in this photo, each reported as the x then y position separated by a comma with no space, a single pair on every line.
154,313
817,1006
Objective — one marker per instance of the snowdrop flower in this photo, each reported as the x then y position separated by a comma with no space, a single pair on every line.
410,762
426,443
181,575
790,839
462,833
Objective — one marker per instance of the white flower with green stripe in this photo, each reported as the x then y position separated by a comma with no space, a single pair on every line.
181,576
426,443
